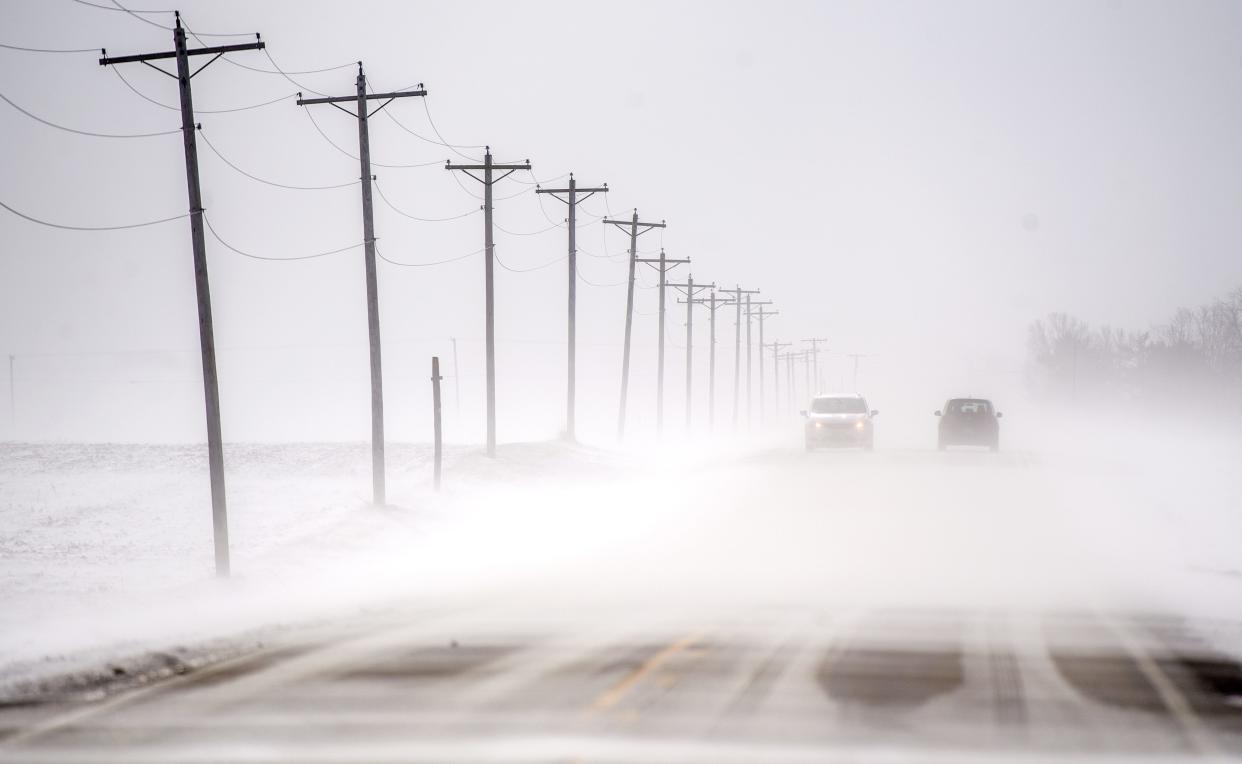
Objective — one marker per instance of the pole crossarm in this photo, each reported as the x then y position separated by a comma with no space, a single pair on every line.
635,224
368,97
217,50
573,192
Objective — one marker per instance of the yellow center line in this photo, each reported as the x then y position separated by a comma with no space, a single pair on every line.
617,692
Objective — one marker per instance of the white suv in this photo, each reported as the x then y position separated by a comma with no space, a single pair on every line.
840,420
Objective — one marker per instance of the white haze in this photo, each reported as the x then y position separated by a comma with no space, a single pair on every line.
915,182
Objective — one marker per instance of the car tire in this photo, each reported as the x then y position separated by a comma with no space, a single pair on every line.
941,445
870,444
994,446
809,447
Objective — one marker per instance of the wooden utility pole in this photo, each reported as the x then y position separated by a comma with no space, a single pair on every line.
712,303
435,409
776,375
857,357
690,289
206,333
663,264
761,314
634,225
488,180
814,343
571,200
790,382
738,302
361,114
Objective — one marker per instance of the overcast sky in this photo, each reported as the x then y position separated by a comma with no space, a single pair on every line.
917,181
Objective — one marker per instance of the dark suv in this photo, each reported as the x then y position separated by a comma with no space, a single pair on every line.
969,422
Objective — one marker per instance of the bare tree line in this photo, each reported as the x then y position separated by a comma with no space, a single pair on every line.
1193,360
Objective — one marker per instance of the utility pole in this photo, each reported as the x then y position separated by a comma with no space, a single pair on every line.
488,180
571,200
634,225
762,314
712,304
738,302
664,265
790,382
690,289
206,333
360,99
856,357
814,342
776,375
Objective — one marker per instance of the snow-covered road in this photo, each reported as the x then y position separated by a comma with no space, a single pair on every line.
746,560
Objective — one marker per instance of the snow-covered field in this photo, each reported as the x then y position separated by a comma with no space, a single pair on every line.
105,550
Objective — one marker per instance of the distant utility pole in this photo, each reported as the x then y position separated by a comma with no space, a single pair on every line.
488,180
571,200
762,314
360,99
712,304
690,289
738,302
206,334
814,342
664,265
776,375
857,357
790,382
634,225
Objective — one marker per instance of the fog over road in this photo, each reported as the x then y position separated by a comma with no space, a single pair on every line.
754,605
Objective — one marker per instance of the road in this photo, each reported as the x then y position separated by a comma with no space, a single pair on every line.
827,611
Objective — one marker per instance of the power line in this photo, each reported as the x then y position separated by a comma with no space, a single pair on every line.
427,265
91,228
84,132
285,73
432,141
560,259
49,50
163,105
355,156
495,198
253,256
403,213
436,130
526,233
224,159
588,282
117,7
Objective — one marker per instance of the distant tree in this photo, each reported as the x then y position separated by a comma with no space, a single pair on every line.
1194,358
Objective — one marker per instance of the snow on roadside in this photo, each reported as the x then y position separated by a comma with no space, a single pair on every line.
106,550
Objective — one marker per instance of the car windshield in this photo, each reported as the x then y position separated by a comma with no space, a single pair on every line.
838,406
968,407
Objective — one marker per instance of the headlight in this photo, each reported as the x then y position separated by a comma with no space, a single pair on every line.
860,425
818,425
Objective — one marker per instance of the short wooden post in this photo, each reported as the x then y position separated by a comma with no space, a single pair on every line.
435,400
